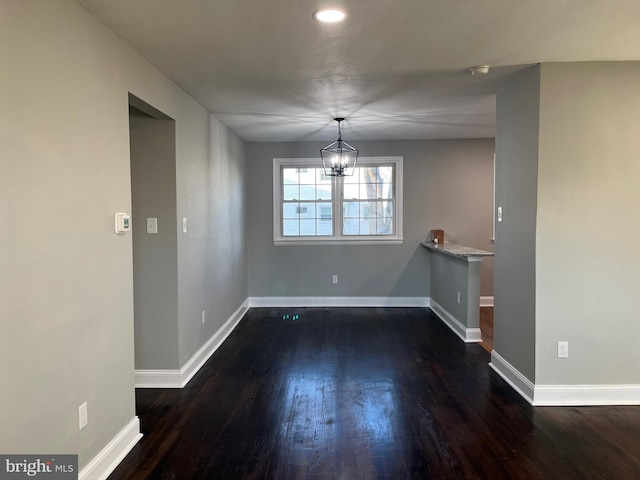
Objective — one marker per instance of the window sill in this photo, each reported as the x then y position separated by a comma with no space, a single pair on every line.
359,241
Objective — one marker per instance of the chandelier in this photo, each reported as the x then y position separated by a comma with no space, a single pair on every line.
339,158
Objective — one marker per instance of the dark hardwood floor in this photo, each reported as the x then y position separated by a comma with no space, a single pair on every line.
366,393
486,328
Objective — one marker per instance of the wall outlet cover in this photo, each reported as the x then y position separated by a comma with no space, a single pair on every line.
563,349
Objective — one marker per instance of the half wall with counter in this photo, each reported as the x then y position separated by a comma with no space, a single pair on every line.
455,287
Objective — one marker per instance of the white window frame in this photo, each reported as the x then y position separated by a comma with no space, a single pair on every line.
337,193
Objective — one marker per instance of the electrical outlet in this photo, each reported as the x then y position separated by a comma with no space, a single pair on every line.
458,297
335,279
83,416
204,317
563,349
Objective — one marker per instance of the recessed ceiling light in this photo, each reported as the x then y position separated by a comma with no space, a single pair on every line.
480,70
330,15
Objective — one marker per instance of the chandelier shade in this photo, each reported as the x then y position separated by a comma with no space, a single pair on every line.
339,158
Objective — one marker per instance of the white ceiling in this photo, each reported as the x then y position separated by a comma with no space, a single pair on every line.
397,69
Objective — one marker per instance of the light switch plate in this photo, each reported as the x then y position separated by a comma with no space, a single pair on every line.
152,225
83,416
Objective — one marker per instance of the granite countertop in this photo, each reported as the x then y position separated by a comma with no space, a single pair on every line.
456,250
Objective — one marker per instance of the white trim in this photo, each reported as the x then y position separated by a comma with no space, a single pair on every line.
103,464
512,376
486,301
579,395
468,335
179,378
336,198
156,378
564,395
338,302
343,241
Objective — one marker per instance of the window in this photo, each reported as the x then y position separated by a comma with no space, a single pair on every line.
312,208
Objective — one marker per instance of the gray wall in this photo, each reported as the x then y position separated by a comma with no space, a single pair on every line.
155,256
447,184
449,276
587,280
515,247
66,289
212,256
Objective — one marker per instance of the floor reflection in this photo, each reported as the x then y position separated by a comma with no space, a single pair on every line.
325,404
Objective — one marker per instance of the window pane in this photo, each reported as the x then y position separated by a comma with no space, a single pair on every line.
321,178
385,174
290,227
368,175
306,210
308,226
368,191
385,209
384,226
351,179
323,192
325,227
350,226
351,209
290,175
368,209
385,190
367,226
307,175
324,211
290,192
351,191
307,192
290,210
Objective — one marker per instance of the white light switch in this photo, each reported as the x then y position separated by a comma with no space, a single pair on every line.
83,416
499,214
184,224
152,225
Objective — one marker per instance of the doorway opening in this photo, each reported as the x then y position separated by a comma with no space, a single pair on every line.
152,140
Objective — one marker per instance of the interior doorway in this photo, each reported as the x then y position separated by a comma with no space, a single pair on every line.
152,140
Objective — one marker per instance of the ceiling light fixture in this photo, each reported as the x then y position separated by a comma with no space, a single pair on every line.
480,70
339,158
330,15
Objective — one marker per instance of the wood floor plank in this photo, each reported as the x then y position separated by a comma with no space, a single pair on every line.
366,393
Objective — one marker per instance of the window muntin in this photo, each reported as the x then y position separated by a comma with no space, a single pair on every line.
312,208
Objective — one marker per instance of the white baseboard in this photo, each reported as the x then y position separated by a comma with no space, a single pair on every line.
179,378
101,466
158,378
468,335
582,395
486,301
564,395
512,376
338,301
